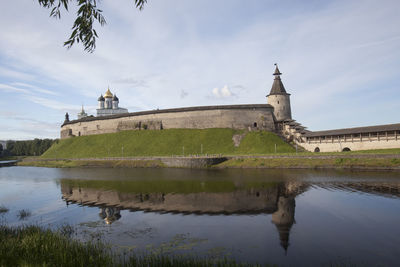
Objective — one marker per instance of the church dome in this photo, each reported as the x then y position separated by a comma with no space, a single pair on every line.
108,94
115,98
101,98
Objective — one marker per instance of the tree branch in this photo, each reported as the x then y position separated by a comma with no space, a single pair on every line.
88,13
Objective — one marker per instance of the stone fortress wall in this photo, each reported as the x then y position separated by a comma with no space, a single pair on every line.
275,116
256,116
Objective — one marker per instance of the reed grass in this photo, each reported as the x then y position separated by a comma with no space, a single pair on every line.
35,246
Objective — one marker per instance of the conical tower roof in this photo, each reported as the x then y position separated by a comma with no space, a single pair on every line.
277,87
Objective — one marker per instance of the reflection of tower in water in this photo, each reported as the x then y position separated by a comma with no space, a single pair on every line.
109,214
283,219
277,199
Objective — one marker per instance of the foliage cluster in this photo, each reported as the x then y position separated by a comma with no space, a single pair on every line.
34,147
3,209
88,13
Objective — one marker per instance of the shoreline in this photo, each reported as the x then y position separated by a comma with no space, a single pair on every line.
386,162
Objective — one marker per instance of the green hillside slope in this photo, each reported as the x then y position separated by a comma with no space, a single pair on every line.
167,143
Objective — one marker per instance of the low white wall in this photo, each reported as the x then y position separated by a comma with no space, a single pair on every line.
327,146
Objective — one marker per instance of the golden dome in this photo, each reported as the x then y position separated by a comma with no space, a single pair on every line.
108,94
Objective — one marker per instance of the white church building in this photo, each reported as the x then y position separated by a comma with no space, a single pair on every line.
108,105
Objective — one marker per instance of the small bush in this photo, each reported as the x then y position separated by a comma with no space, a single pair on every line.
23,214
3,209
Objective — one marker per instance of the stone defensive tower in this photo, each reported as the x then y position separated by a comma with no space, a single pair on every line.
279,98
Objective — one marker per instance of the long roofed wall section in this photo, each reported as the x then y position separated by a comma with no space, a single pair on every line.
349,139
256,116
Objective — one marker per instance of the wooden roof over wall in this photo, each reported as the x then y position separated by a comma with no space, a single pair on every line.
358,130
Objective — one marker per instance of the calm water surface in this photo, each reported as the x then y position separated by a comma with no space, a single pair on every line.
280,217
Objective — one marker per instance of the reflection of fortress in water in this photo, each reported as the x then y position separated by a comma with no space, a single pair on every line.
278,200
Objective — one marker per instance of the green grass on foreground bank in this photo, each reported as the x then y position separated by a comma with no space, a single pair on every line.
356,163
34,246
167,143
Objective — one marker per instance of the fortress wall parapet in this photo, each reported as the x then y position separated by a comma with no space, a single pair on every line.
361,138
256,116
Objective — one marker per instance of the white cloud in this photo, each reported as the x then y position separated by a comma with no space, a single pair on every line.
9,88
333,51
9,73
22,126
53,104
223,92
35,88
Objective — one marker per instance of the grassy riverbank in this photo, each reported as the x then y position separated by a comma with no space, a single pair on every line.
34,246
256,149
288,161
314,163
167,143
92,163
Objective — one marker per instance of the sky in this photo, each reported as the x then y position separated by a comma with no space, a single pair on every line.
340,60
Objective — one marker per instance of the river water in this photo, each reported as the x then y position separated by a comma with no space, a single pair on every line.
284,217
